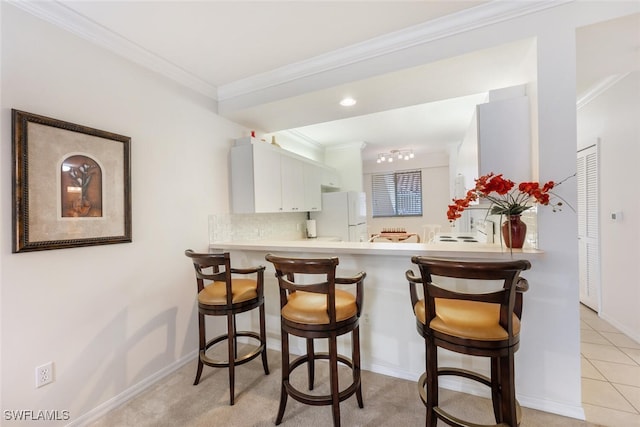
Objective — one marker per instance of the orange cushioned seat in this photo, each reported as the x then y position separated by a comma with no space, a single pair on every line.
467,319
311,308
216,293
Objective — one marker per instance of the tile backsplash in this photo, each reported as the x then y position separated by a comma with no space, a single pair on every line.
241,227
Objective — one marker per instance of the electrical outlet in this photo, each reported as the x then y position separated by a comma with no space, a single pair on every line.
44,374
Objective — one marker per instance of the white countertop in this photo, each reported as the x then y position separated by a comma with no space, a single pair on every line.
375,248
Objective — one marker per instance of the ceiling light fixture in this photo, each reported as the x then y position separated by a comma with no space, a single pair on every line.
403,154
348,102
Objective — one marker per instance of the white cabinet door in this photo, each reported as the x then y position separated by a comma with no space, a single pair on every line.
312,187
255,179
292,175
267,181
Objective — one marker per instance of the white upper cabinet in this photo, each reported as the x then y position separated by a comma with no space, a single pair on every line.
312,187
292,173
254,185
266,179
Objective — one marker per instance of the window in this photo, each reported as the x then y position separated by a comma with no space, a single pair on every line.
397,194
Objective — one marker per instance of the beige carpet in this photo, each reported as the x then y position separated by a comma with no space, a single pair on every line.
388,401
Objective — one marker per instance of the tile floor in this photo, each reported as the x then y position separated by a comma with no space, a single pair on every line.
610,373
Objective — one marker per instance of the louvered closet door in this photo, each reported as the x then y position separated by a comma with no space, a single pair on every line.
588,227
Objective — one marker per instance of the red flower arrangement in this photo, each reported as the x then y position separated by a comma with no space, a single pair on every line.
506,200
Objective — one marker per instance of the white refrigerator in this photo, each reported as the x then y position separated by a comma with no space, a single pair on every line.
343,215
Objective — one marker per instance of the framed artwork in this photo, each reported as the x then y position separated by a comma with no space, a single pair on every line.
71,185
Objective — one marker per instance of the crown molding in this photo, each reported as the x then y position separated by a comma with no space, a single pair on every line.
347,145
466,20
600,88
302,139
66,18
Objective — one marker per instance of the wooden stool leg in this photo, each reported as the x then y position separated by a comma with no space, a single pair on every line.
201,346
285,376
333,377
263,340
235,338
311,363
508,389
355,356
496,394
432,381
231,341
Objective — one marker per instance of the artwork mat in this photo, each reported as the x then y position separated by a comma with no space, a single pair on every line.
40,145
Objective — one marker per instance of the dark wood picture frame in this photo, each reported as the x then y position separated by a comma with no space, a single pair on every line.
71,185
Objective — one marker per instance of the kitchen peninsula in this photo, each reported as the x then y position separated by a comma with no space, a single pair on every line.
389,342
444,249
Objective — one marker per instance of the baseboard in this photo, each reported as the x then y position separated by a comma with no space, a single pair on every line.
131,392
553,407
455,384
619,326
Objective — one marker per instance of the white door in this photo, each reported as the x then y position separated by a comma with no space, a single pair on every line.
588,227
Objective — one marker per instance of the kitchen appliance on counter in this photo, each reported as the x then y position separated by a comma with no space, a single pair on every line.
344,215
484,234
312,228
457,238
486,231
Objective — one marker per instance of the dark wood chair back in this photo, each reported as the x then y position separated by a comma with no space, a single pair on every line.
509,296
316,275
478,322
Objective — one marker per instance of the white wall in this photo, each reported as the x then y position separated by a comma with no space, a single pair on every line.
109,316
613,119
464,159
347,160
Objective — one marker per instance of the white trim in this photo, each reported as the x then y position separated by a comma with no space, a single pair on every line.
346,145
599,89
68,19
131,392
552,407
620,326
446,26
466,20
302,139
475,389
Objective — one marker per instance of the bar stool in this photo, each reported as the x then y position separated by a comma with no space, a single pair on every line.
311,307
228,296
483,323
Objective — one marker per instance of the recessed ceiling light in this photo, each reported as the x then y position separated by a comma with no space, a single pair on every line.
348,102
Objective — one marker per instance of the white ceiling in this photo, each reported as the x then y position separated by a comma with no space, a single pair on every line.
236,51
